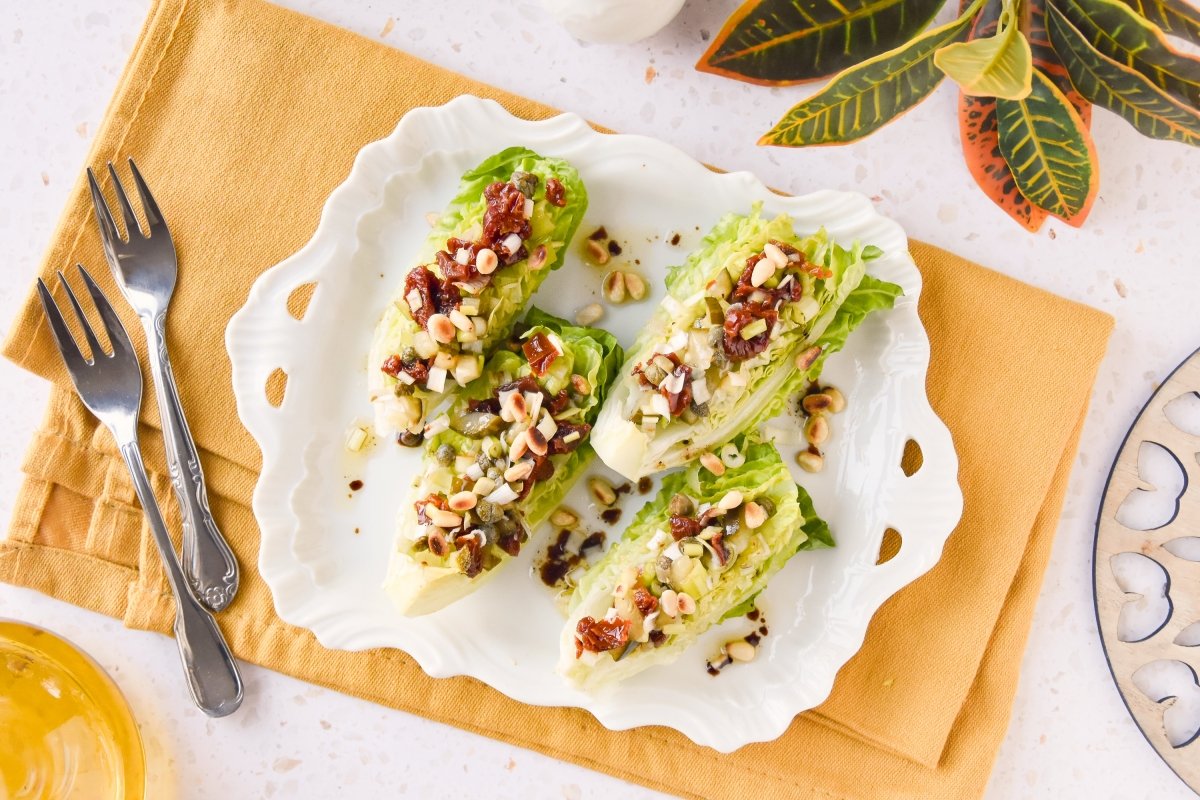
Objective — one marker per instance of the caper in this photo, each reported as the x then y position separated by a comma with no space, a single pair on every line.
699,409
445,455
408,355
766,505
526,182
662,569
732,524
489,512
681,506
496,474
410,439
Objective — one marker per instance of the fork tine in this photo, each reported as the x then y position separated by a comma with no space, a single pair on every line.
109,234
131,223
117,334
62,335
88,333
154,217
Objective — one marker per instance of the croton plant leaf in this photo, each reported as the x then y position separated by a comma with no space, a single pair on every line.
1119,33
997,65
1048,150
1122,90
779,42
978,127
864,98
1179,17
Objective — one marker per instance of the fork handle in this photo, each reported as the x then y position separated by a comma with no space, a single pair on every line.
212,674
208,562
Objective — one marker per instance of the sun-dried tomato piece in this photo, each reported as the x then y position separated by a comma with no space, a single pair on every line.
540,352
681,400
488,404
510,543
718,546
436,500
738,317
558,442
425,284
600,635
418,368
683,527
644,601
505,214
556,194
744,288
522,385
558,404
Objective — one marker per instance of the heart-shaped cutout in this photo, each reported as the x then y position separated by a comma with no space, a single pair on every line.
1148,509
1168,679
1144,615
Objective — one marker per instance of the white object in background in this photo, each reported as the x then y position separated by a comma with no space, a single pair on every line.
324,553
613,21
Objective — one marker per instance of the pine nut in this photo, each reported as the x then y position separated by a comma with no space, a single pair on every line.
483,486
805,359
518,447
775,255
603,493
816,430
686,604
712,463
443,518
740,650
462,501
730,501
597,252
518,472
669,603
815,403
537,442
763,270
635,286
614,287
486,261
837,400
810,462
589,314
539,258
580,385
461,321
441,328
754,514
564,517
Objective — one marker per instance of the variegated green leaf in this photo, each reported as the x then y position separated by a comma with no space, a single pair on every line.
779,42
1179,17
1119,33
1120,89
1000,65
1048,150
868,96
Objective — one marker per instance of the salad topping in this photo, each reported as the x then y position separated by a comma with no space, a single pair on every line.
737,322
511,439
682,563
451,308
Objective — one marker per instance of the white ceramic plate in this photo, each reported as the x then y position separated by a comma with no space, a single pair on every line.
324,548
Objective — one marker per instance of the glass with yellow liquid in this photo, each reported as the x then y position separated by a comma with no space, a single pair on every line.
65,729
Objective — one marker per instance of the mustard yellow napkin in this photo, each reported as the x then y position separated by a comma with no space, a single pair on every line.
247,116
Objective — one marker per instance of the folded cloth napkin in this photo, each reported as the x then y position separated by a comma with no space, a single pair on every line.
247,116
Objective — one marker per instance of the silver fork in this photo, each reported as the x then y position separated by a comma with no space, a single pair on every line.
111,387
145,268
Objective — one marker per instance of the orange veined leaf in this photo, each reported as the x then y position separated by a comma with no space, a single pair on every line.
1049,151
1119,33
977,120
781,42
864,98
1118,88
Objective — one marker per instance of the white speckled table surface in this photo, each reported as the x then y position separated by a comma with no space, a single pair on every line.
1070,735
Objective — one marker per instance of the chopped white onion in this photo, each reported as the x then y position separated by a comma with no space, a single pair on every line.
437,380
502,496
